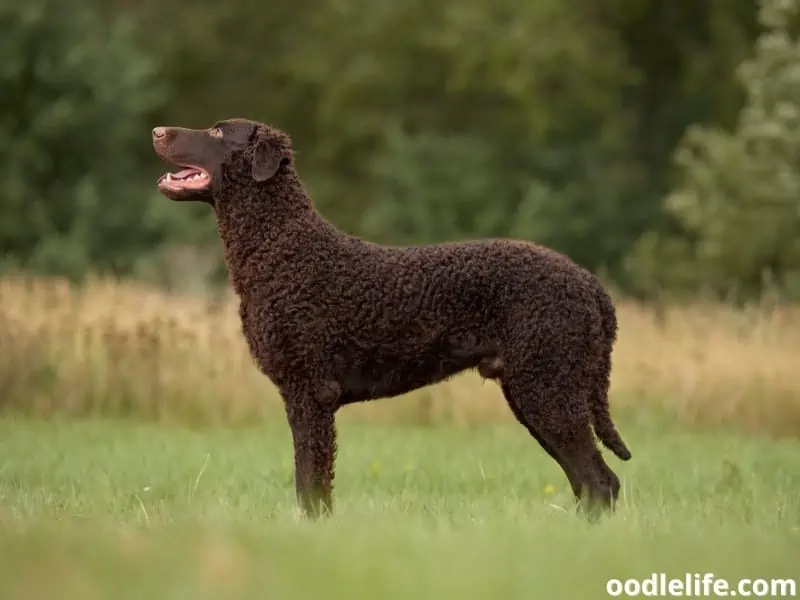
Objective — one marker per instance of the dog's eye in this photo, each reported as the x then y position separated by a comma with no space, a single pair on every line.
216,132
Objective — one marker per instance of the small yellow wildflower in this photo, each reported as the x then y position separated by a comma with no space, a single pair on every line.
549,489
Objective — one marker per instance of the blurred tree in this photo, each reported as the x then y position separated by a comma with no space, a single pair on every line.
685,54
73,140
447,119
229,59
738,201
565,111
550,121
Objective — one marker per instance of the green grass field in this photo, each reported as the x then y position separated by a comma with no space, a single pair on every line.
108,509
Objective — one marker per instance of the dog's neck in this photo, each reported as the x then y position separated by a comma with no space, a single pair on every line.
266,227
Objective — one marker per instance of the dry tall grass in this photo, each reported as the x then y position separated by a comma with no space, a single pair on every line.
127,349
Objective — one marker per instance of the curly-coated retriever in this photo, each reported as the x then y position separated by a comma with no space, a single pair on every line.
332,319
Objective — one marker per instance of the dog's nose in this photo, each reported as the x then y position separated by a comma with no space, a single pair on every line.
159,132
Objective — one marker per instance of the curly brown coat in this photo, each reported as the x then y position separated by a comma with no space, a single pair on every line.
333,319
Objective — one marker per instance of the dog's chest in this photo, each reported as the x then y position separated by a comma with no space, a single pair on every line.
279,335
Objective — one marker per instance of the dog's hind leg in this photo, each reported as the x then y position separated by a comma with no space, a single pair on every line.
519,415
493,368
548,384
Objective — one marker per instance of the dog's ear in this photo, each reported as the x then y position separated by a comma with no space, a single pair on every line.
266,160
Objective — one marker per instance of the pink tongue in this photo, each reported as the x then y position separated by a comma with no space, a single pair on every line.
184,173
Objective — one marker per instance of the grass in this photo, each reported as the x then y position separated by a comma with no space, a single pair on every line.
439,494
124,349
104,508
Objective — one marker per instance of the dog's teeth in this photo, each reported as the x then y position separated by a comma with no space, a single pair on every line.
168,177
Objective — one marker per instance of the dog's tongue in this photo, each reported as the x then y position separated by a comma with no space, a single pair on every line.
182,174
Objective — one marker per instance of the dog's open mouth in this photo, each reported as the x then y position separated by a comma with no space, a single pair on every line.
190,178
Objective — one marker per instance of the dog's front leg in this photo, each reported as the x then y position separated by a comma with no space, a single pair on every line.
310,413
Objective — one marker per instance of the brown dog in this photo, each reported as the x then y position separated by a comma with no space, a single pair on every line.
332,319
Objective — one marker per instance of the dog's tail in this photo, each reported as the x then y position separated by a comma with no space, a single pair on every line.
604,339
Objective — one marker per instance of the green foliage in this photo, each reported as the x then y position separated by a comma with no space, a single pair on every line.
73,138
465,119
433,187
429,120
738,202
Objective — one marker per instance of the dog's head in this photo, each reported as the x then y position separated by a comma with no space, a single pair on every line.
209,157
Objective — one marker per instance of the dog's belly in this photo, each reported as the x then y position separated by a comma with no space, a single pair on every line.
376,378
372,375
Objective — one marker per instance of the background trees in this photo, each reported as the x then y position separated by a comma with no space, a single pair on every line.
652,141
